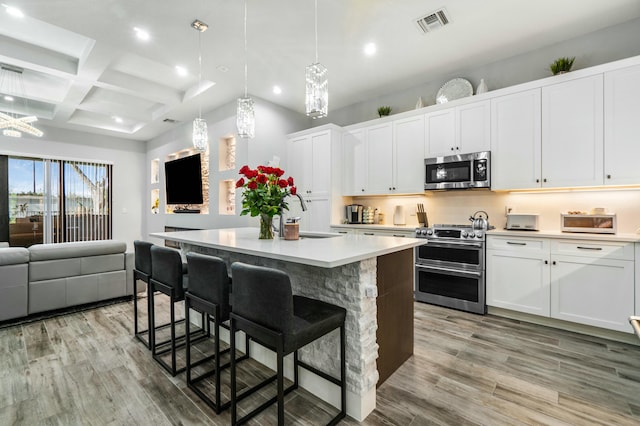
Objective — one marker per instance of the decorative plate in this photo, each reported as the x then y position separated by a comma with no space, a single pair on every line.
454,89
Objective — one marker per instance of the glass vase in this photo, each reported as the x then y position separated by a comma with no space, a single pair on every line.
266,228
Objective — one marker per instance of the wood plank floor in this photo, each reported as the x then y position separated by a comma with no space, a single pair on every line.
85,368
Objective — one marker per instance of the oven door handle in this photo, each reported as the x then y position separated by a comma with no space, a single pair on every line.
433,243
455,271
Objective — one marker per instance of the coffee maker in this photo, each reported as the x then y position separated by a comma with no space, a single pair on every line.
354,213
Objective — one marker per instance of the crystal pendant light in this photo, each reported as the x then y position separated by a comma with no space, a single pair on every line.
11,123
317,93
200,134
246,120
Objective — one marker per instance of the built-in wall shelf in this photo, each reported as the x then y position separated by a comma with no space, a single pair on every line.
227,197
227,153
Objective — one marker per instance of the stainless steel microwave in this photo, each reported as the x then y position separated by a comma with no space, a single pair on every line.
460,171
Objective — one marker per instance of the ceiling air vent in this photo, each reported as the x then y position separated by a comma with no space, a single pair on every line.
169,120
433,21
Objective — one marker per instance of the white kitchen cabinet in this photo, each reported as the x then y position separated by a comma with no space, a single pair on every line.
458,130
518,274
622,126
379,148
354,177
408,155
572,133
583,281
371,231
309,159
515,141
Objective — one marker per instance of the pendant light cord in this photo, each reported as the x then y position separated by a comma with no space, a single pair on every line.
245,48
316,27
199,73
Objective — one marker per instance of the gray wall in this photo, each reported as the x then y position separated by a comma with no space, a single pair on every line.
606,45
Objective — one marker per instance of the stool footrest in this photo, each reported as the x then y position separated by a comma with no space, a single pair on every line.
320,373
265,404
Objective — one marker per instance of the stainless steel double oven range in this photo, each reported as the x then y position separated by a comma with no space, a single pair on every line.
450,268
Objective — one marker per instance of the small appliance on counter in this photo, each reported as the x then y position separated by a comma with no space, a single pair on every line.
354,213
523,221
398,215
577,221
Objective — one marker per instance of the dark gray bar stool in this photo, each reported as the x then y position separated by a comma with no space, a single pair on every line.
267,311
208,293
168,277
142,272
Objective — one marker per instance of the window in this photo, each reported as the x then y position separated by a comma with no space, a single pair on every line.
58,201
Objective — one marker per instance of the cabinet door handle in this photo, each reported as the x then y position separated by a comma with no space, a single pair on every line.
397,235
362,189
389,188
608,176
516,244
553,263
537,180
588,248
368,233
342,232
546,262
451,148
544,180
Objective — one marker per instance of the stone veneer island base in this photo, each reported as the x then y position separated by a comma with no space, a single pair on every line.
349,271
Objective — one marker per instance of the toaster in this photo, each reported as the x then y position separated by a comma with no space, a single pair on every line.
523,221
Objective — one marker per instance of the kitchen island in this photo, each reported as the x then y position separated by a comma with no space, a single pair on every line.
372,277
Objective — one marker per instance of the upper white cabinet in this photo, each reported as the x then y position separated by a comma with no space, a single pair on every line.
386,158
408,155
458,130
622,126
515,141
572,133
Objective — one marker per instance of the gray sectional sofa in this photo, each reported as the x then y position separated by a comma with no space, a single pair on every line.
45,277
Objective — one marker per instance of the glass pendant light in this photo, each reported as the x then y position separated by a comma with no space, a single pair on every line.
11,122
317,93
200,133
246,120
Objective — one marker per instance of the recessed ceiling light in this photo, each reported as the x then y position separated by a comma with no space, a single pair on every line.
15,12
182,71
8,98
117,119
277,90
141,34
222,68
370,49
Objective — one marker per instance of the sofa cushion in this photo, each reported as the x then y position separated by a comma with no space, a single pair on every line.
51,269
104,263
47,295
74,249
13,255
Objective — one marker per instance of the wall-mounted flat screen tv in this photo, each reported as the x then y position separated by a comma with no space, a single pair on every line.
183,178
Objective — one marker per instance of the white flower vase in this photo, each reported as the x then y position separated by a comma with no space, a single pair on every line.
419,104
482,87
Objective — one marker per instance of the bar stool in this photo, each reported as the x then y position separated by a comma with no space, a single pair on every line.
167,277
267,311
208,293
142,272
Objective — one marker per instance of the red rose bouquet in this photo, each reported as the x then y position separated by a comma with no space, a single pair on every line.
264,193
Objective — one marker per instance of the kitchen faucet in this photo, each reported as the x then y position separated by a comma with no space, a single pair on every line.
303,205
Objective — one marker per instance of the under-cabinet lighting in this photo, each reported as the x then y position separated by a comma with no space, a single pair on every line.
569,190
370,49
277,90
182,71
141,34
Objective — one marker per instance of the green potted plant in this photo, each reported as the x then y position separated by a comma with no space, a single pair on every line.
561,65
384,111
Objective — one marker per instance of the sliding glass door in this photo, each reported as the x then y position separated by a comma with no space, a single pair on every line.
58,201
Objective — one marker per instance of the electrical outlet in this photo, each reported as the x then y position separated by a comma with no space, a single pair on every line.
371,291
507,210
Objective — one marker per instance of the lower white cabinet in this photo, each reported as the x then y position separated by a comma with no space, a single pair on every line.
355,230
518,275
583,281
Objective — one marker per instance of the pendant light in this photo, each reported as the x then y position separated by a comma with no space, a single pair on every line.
11,121
200,134
245,119
317,93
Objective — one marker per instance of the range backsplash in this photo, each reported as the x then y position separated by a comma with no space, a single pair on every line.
457,206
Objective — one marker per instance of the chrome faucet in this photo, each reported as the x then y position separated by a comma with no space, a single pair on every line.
303,205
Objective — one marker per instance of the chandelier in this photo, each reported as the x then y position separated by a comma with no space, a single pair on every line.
245,116
11,123
200,134
317,93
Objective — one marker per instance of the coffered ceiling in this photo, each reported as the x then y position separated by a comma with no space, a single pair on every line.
84,67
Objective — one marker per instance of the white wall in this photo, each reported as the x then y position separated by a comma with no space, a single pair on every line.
127,157
599,47
273,124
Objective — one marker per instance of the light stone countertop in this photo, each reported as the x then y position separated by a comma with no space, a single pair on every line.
330,252
631,238
402,228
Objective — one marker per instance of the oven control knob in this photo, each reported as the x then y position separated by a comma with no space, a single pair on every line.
428,232
417,231
471,235
479,234
464,234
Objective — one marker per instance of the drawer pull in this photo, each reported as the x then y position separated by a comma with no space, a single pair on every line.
397,235
342,232
516,244
368,233
589,248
